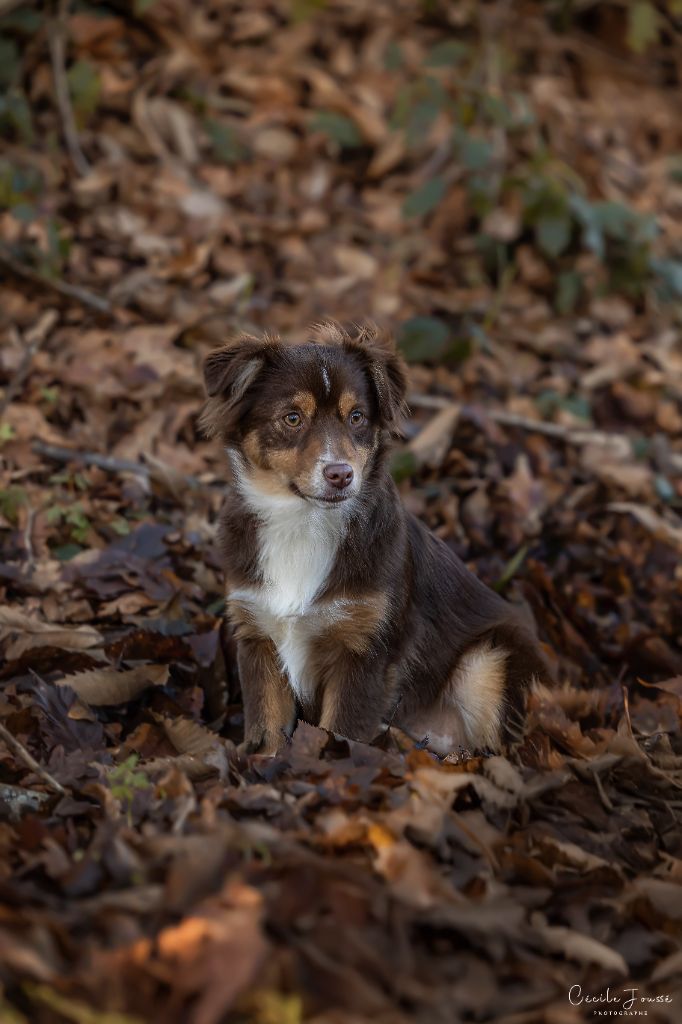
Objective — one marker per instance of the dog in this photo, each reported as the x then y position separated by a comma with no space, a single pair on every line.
348,611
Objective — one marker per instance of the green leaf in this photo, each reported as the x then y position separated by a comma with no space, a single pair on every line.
15,112
511,568
403,465
421,117
675,168
553,234
642,25
227,145
24,21
664,489
85,87
585,214
337,127
669,274
393,56
141,7
425,198
7,432
11,500
65,552
302,10
73,1010
10,63
614,218
120,526
569,287
25,213
446,53
423,338
474,153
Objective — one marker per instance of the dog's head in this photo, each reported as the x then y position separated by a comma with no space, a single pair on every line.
308,419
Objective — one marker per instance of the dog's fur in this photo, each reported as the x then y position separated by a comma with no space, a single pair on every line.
348,611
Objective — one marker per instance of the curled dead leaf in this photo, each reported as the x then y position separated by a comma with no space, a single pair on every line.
105,687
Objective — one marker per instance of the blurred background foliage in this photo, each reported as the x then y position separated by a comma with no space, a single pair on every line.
486,126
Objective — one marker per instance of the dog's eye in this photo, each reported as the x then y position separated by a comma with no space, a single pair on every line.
293,419
356,418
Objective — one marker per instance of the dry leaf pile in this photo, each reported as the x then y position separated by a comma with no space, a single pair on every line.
245,166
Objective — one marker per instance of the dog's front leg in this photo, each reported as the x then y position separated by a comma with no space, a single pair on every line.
356,697
269,708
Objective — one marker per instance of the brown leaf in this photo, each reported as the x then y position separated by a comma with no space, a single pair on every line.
103,687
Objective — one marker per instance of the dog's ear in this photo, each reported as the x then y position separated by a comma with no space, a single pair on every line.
387,373
229,372
390,380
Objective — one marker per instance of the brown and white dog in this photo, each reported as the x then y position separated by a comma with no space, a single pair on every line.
348,611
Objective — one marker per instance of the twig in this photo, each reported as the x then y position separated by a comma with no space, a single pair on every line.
57,41
71,291
20,750
31,343
113,465
573,435
106,462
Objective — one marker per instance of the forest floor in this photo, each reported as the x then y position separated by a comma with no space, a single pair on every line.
230,167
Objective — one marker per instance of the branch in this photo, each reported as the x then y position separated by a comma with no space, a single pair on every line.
32,343
20,750
57,41
70,291
573,435
113,465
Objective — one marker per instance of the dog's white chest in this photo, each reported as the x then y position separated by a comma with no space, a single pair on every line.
297,549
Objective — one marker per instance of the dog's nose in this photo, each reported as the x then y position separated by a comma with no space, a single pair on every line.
338,474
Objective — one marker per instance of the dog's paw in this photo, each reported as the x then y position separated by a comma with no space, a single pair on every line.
259,741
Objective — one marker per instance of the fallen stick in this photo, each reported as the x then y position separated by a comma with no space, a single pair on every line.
574,435
57,41
32,342
70,291
20,750
113,465
106,462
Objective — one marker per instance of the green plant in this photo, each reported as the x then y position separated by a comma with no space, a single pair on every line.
125,780
72,516
496,150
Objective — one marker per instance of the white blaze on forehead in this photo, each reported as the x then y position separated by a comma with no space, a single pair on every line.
326,381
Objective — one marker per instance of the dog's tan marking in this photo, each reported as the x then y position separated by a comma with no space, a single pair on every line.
269,707
284,461
251,447
347,402
358,622
245,622
262,477
477,685
305,401
470,709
